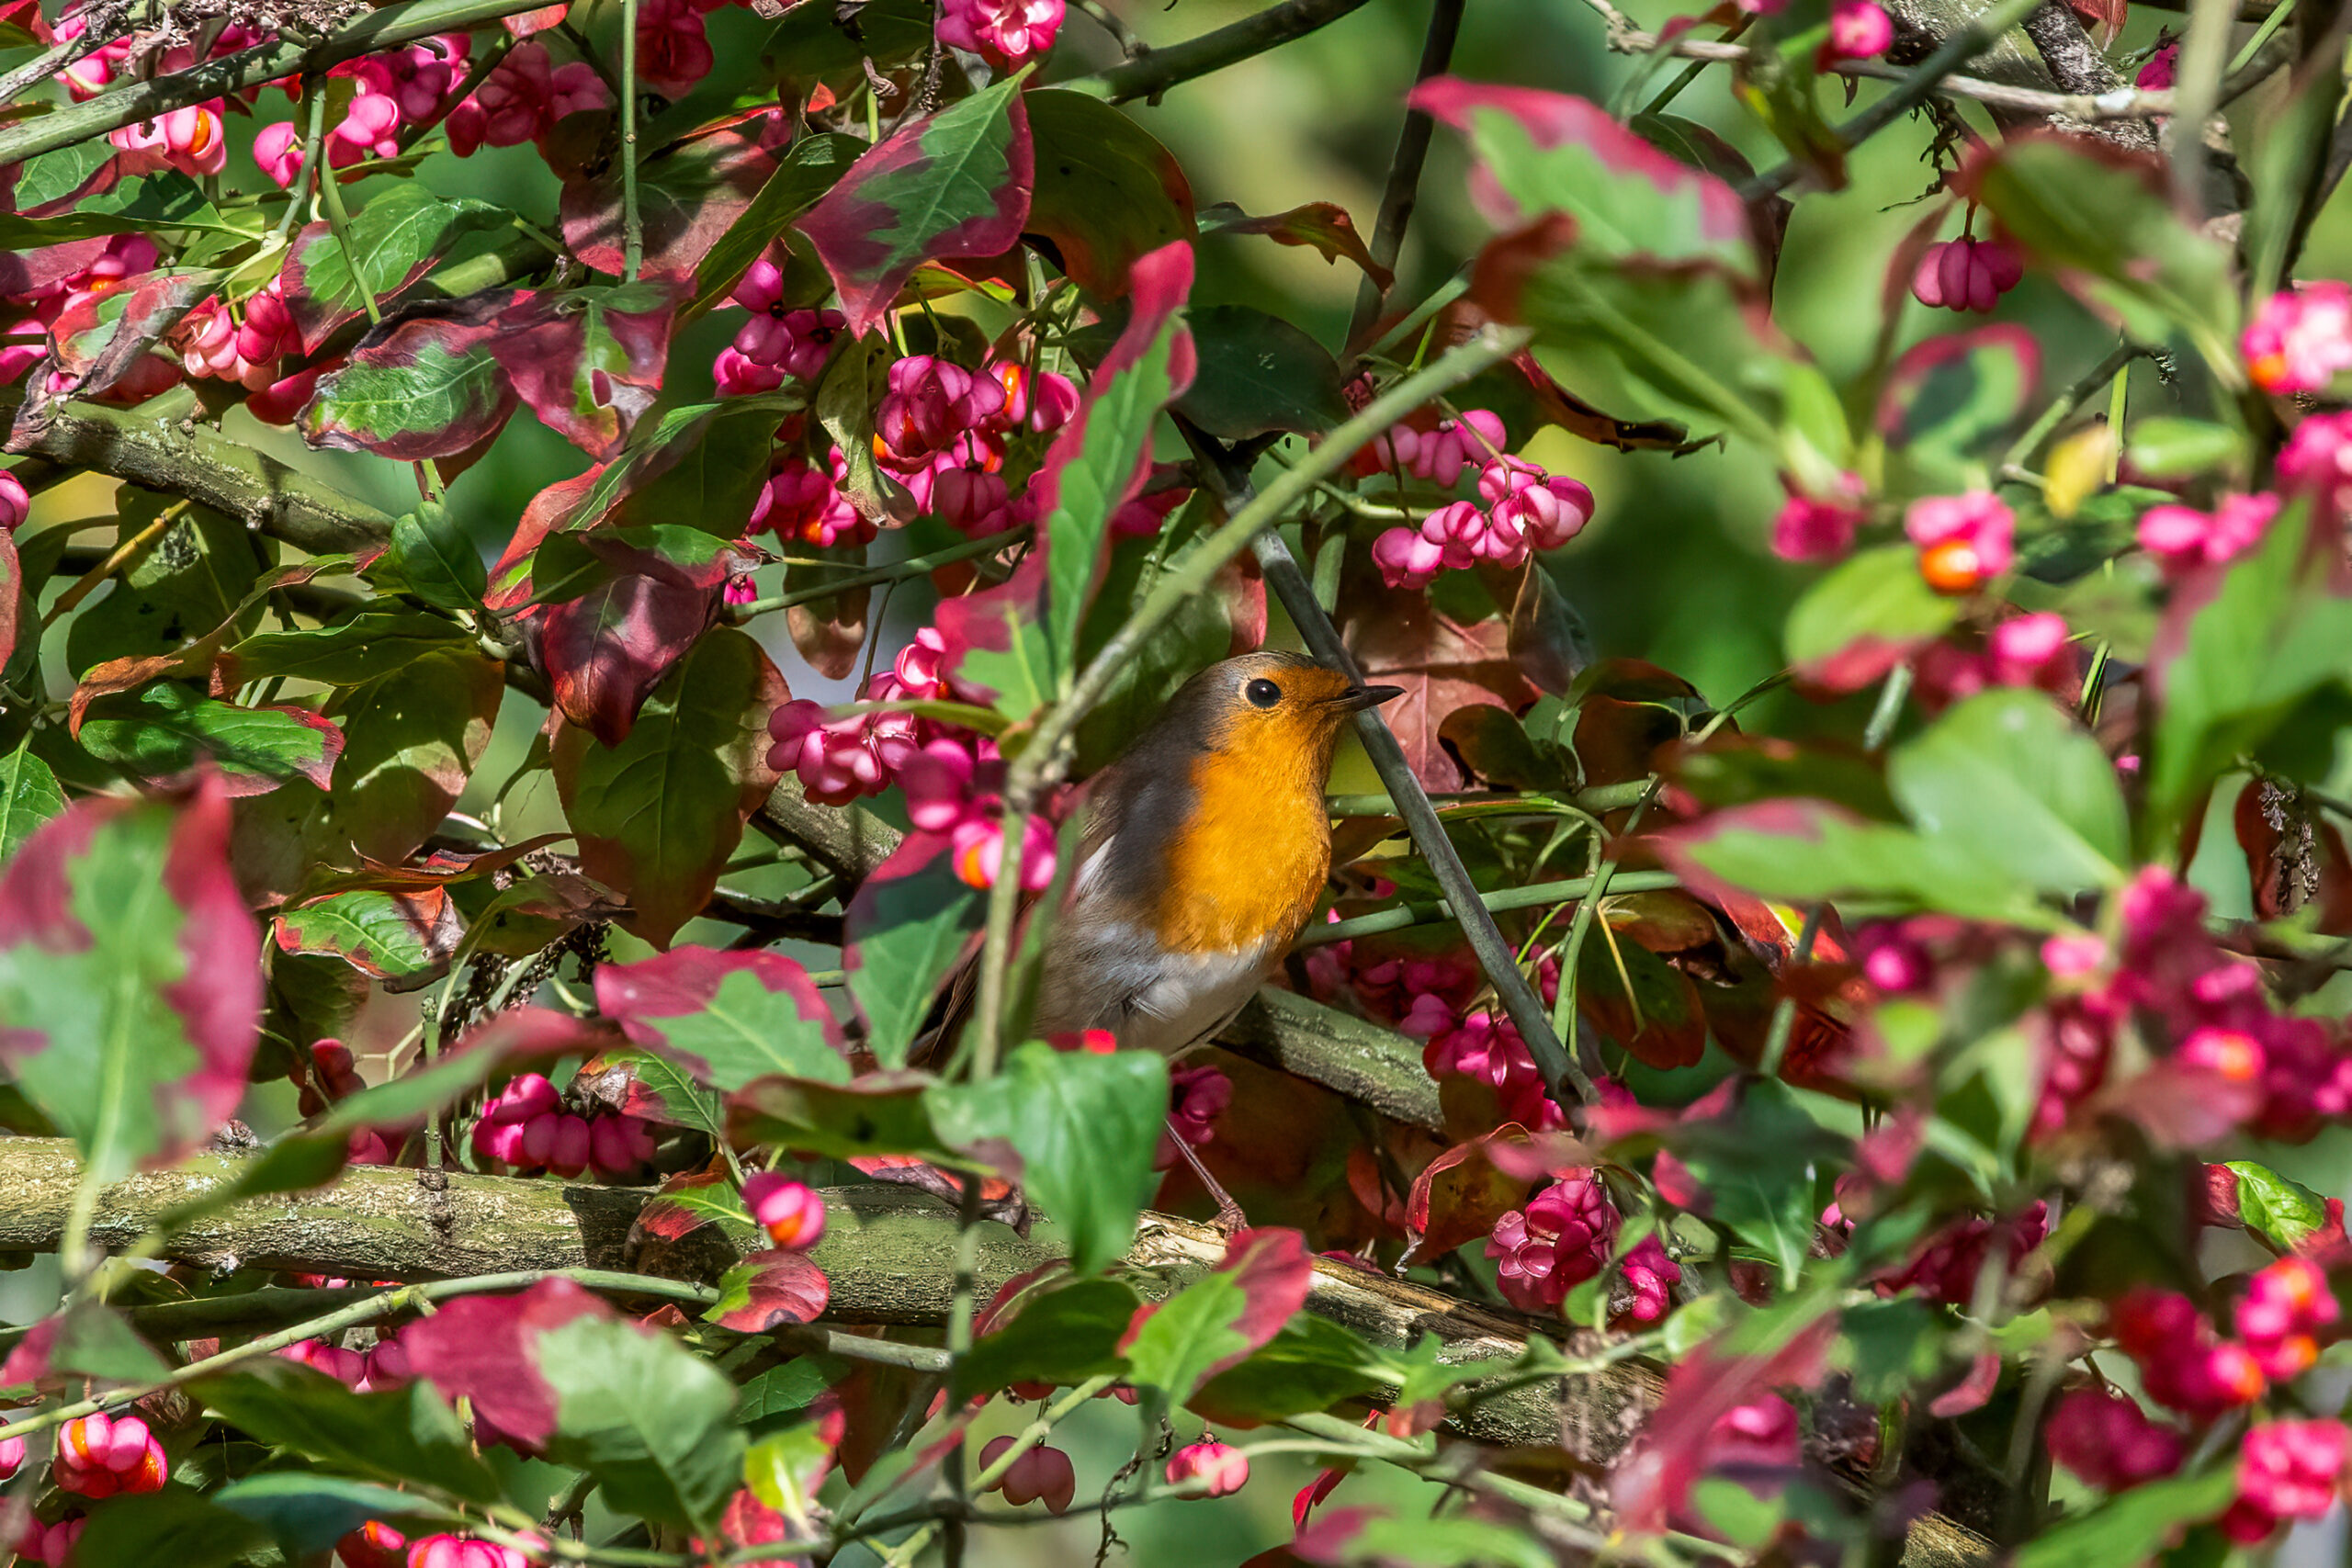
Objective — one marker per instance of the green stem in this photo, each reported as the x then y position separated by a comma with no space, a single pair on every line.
895,571
1892,695
2196,89
2021,451
1534,896
313,142
632,222
339,220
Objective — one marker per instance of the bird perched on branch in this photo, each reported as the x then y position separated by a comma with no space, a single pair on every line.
1207,844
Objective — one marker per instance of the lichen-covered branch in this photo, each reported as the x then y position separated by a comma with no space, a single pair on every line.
1154,70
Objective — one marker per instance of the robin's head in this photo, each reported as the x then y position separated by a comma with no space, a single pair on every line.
1272,712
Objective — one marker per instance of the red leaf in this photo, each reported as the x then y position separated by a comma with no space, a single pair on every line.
605,652
688,195
1971,1392
549,511
1401,639
1325,225
1458,1196
772,1289
589,361
662,1218
485,1348
1651,1483
100,336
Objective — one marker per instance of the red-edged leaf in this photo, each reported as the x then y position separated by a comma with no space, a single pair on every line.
829,632
589,361
1543,153
687,196
421,384
485,1348
769,1291
395,239
1460,1194
167,729
130,991
658,814
727,1017
1325,225
403,937
1971,1392
100,335
606,651
1178,1344
552,509
952,183
685,1203
1107,192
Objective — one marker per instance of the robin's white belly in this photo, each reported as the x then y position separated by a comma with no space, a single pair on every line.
1151,999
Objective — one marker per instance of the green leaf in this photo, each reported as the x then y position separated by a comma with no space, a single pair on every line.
416,386
2170,447
1424,1540
1194,1329
1107,191
194,577
46,178
804,172
654,1422
166,201
395,239
2133,1526
906,927
29,797
2279,1211
1873,605
2108,225
404,1435
1311,1365
675,1099
783,1394
167,729
785,1470
879,1114
1259,372
93,1341
1949,400
1085,1126
2007,775
308,1512
435,559
377,640
1062,1336
2235,657
658,814
749,1030
372,931
1761,1167
177,1525
1807,850
411,740
1890,1348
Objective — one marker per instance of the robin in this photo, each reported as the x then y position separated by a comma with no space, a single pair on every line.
1207,844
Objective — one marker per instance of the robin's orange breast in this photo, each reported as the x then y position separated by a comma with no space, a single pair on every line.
1250,860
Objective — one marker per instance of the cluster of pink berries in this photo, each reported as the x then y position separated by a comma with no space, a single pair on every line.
779,342
383,1365
1007,33
2034,650
954,788
2104,1437
433,1552
1950,1265
192,138
839,760
1219,1470
1487,1046
1858,30
2317,461
524,1127
2183,538
1964,540
51,1546
102,1455
1042,1474
1967,274
525,99
1521,509
1390,985
2301,338
2184,1364
1561,1240
391,91
15,505
791,1211
2286,1470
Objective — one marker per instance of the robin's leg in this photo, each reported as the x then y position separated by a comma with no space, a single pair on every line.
1229,1219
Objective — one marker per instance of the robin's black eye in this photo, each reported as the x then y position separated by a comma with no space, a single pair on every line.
1262,692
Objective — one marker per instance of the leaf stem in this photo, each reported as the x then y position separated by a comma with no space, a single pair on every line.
1536,895
2045,424
314,143
895,571
339,220
632,222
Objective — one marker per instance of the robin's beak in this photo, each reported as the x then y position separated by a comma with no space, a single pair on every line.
1355,699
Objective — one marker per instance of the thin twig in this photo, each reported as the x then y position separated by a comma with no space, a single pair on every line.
1963,44
1158,70
1398,198
2045,424
129,549
60,57
632,222
895,571
1536,895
